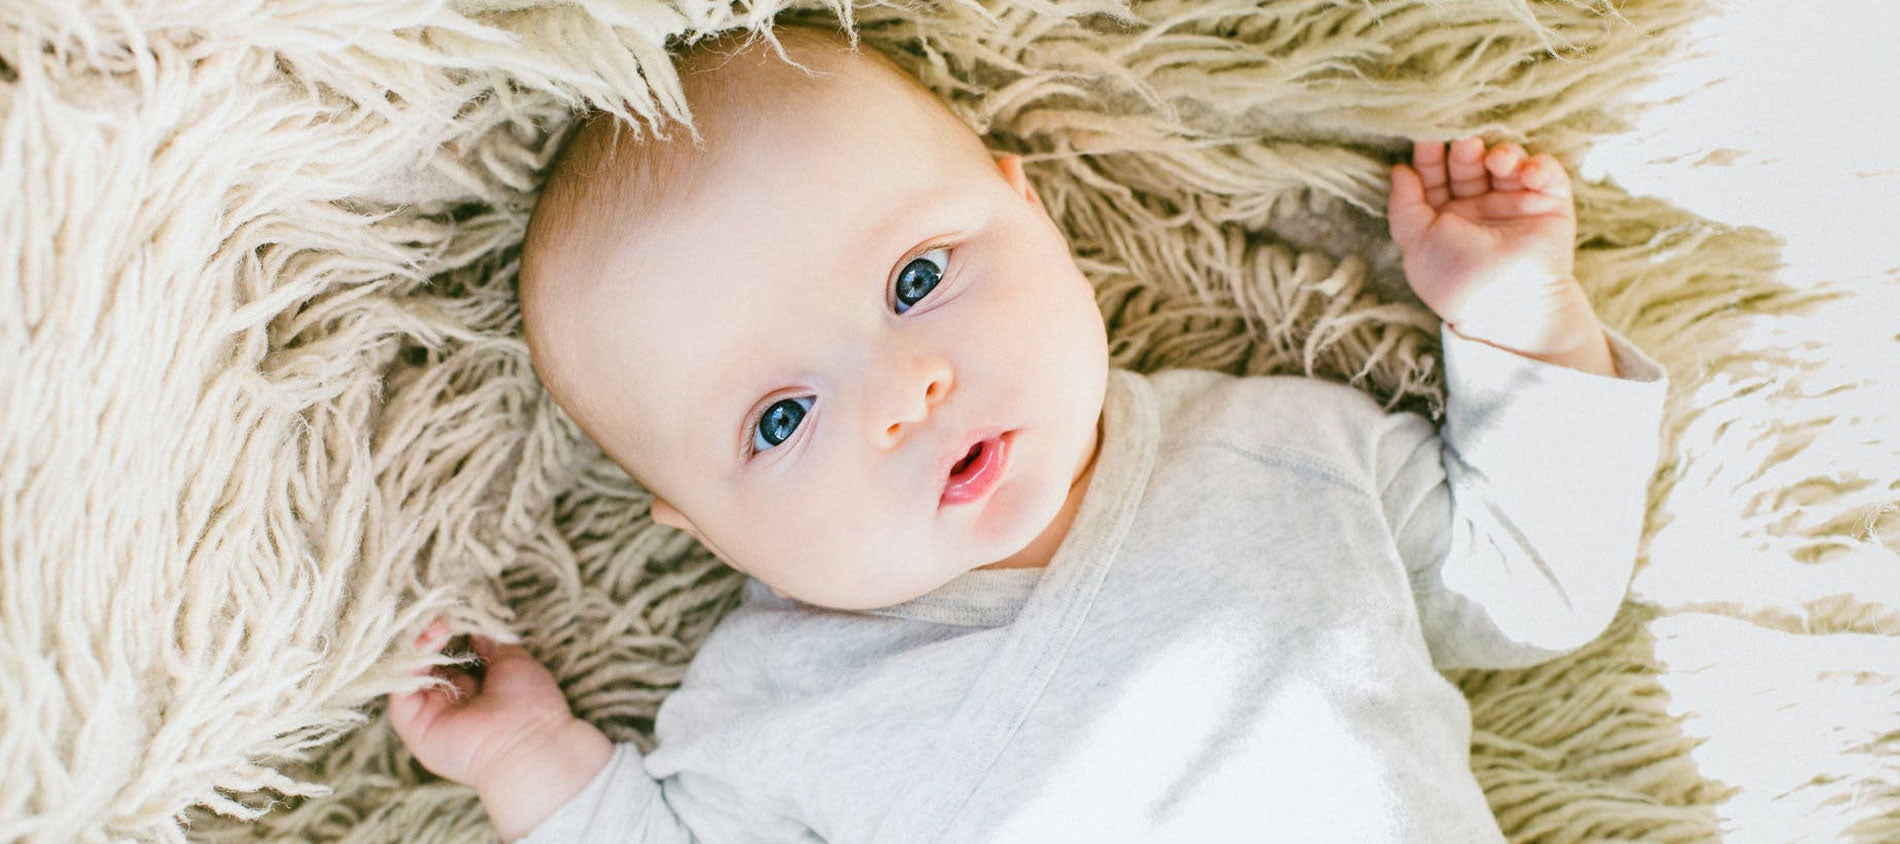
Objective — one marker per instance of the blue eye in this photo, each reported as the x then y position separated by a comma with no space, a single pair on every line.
918,278
778,422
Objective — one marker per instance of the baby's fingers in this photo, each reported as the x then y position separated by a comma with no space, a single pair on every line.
1546,175
1408,213
405,712
1503,161
433,637
1465,165
510,673
411,713
1428,160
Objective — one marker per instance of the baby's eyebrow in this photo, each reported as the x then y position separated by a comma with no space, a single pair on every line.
729,447
710,400
902,226
894,222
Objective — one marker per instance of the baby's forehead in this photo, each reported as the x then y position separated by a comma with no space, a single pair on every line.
745,97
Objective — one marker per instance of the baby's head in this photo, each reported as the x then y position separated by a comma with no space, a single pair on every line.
842,345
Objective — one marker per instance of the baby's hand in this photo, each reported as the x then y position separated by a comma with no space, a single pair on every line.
1489,245
458,733
510,734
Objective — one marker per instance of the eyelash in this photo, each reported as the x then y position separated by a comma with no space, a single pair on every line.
753,430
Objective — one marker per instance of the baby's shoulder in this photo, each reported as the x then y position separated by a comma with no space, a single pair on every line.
1331,424
738,674
770,651
1199,398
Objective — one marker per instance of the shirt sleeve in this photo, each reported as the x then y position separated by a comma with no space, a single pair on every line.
1519,520
621,804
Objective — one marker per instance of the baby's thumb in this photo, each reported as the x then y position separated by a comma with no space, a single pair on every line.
1407,213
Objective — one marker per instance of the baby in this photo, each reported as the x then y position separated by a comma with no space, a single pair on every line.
998,591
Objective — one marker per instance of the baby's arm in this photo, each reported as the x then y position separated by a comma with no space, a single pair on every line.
510,735
1520,524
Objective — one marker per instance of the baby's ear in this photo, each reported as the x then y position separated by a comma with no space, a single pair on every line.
669,515
666,514
1011,166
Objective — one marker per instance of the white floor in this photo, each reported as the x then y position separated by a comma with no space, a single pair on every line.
1789,120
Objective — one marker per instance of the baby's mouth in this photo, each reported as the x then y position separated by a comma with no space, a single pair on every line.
977,472
963,464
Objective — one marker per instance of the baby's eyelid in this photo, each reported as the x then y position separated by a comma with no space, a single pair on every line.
940,250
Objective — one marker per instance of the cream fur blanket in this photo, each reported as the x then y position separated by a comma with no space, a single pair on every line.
266,408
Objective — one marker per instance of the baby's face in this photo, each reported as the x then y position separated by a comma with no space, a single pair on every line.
859,356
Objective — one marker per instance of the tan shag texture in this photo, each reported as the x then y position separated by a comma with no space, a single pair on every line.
267,409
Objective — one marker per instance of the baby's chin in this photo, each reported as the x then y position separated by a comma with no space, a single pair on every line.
858,601
1024,533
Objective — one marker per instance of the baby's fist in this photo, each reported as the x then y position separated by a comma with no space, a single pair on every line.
474,725
508,733
1488,239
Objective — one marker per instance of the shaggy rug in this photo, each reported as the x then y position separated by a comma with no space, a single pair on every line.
267,409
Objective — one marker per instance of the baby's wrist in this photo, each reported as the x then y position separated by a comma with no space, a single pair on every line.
1592,355
1556,326
539,774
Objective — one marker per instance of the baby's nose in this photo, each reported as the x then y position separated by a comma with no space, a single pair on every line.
919,387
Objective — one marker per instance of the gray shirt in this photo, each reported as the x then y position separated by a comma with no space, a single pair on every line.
1239,637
